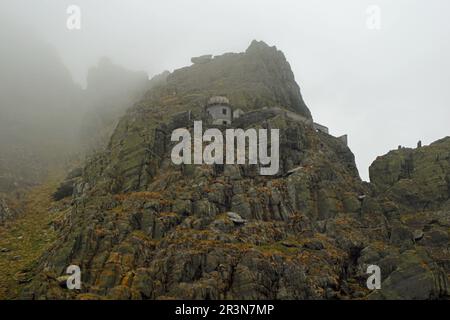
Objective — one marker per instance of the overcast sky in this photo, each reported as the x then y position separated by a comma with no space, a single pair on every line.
384,88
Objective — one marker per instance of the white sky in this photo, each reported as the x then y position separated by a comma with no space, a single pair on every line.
383,88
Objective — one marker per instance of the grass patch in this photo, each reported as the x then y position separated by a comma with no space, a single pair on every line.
27,237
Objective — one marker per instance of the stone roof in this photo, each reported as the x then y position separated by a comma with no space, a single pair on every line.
218,100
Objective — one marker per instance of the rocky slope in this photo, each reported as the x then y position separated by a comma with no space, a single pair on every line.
27,236
413,188
141,227
416,179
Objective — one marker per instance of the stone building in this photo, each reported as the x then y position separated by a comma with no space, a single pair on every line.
320,128
220,110
344,139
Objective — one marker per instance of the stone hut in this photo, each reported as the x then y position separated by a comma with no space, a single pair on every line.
220,110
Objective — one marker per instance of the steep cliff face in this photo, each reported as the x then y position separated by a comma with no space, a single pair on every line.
141,227
412,186
260,76
418,179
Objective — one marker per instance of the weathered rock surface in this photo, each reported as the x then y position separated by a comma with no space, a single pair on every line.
415,178
6,212
67,187
141,227
413,189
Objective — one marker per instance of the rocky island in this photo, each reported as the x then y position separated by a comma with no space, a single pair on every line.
141,227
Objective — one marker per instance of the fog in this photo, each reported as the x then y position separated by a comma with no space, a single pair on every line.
383,87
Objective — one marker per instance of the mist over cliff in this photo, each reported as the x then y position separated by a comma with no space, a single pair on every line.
40,107
48,120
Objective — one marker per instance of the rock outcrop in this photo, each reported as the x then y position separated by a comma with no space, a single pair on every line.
416,179
412,187
6,213
141,227
67,187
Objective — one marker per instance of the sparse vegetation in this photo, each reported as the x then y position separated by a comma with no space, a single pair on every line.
27,237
